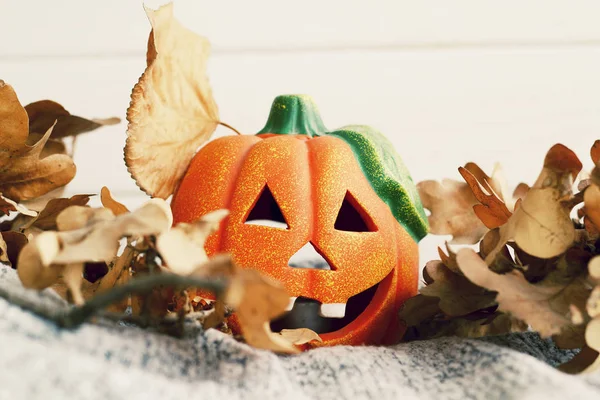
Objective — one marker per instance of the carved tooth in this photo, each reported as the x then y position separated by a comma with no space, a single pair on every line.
291,304
333,310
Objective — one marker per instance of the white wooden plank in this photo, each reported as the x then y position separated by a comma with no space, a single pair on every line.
70,27
440,109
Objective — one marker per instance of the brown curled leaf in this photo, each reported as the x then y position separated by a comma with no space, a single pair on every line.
300,336
27,168
544,306
109,202
7,206
42,115
46,219
492,211
595,152
15,241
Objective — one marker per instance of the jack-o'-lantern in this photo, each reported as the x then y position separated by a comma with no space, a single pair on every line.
346,193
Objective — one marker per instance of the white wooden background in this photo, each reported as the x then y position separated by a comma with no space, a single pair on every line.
447,81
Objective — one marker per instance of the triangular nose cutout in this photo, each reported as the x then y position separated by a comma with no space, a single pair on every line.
309,257
266,211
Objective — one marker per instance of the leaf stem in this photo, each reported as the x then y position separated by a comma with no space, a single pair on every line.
226,125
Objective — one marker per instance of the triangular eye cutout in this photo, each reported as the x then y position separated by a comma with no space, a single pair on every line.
266,211
352,217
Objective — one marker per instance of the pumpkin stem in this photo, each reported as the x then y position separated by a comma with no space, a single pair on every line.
226,125
294,114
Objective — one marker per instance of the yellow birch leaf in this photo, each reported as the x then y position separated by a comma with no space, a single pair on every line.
172,111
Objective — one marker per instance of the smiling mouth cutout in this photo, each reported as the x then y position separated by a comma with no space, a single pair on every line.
303,312
323,318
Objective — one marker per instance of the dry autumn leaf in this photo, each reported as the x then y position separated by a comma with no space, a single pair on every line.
39,203
458,296
257,300
456,207
85,234
99,239
591,198
109,202
172,111
590,359
182,248
492,211
451,205
15,241
544,306
43,114
3,251
27,170
541,225
46,219
300,336
7,205
595,152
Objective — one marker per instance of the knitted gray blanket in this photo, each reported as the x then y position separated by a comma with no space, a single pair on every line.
111,361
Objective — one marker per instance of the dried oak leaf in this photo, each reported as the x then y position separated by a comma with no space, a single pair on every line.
46,219
7,206
450,304
425,320
458,296
541,225
519,193
172,111
3,251
257,300
454,205
451,205
591,198
545,305
44,113
182,248
595,152
39,203
14,241
300,336
109,202
27,168
85,234
492,211
588,359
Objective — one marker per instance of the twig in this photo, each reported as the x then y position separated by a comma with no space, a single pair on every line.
73,317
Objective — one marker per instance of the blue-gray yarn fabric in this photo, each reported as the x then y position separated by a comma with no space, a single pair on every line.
106,360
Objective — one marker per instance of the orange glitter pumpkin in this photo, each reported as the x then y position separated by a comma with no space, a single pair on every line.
344,192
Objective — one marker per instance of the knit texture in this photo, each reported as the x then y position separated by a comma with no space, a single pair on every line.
111,361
